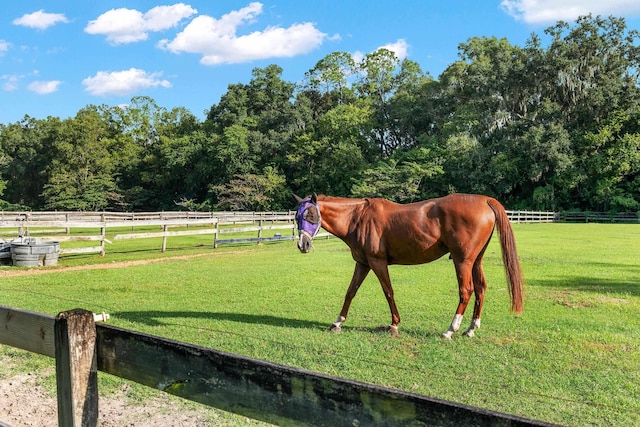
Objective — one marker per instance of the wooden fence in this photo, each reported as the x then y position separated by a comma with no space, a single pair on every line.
254,388
216,224
15,218
57,226
532,216
622,217
601,217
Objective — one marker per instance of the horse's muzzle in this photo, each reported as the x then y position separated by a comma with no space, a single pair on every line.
304,243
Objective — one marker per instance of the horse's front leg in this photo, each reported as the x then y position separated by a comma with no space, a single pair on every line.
381,269
359,275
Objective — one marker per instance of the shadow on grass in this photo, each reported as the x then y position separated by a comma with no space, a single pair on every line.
164,318
612,285
161,318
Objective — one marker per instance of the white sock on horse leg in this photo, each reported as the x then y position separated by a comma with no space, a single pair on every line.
475,324
338,323
455,325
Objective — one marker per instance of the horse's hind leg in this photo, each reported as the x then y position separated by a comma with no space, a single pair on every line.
465,288
359,275
479,285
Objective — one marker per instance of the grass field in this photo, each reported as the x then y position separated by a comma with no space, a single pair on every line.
572,358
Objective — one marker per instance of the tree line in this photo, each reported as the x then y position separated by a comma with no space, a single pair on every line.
545,126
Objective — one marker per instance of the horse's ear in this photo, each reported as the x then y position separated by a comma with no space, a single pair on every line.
297,198
314,198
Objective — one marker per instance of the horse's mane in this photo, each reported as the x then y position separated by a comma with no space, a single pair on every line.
344,200
353,201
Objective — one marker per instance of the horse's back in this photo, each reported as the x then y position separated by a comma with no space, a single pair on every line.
469,207
434,216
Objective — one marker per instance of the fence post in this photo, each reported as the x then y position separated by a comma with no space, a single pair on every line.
76,368
103,232
164,238
215,234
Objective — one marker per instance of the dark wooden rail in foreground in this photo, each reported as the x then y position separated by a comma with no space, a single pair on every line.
258,389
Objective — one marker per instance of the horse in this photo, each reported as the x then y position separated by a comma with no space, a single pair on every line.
380,233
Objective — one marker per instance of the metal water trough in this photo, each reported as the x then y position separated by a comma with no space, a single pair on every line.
5,253
29,253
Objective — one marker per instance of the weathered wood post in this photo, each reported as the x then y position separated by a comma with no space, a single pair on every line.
103,233
215,234
292,214
260,223
76,368
164,238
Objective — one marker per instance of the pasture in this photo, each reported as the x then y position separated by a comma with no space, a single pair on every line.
572,358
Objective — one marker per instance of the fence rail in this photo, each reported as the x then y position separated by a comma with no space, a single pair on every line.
255,388
216,224
129,218
627,217
50,226
84,219
533,216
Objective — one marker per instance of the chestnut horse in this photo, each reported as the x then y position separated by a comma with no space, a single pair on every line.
380,233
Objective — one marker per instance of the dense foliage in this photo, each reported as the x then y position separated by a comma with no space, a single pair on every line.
540,127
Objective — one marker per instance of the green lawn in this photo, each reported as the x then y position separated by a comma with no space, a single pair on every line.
572,358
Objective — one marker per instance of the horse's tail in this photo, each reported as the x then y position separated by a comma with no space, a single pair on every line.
509,256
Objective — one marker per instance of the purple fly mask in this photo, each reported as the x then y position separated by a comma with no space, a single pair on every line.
309,222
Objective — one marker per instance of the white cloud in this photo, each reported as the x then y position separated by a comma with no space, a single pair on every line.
218,43
40,20
121,83
400,48
550,11
4,47
10,82
129,25
44,88
357,56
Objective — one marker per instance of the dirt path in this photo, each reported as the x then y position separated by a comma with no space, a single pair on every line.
25,403
12,272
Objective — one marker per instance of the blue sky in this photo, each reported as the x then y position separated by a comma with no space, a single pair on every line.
57,57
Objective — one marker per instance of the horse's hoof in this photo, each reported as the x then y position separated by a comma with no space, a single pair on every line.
469,333
335,328
446,335
389,329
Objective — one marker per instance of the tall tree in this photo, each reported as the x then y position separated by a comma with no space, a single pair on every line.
400,178
592,68
609,163
27,148
377,85
253,192
330,158
332,78
81,173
